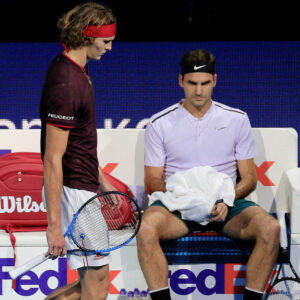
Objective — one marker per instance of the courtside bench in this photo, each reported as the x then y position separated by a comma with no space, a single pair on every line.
211,247
121,154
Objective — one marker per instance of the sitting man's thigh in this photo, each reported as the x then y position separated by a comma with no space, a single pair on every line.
248,223
165,223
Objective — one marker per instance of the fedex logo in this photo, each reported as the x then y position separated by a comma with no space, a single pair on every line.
224,279
31,279
30,283
260,170
261,173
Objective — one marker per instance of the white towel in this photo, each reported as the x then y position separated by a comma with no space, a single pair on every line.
194,192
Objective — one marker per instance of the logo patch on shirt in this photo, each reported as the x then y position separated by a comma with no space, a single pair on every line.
221,128
60,117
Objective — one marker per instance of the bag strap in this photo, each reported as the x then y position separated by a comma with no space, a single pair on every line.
9,230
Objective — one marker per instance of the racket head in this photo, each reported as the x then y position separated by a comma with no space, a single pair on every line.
284,287
100,226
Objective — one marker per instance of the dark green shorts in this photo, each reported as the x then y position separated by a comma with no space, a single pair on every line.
239,206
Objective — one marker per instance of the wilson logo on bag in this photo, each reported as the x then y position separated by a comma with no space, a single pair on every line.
21,181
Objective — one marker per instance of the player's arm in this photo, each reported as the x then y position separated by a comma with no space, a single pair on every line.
154,179
248,181
106,186
56,143
245,186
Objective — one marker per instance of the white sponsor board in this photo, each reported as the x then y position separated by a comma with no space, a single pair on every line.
189,282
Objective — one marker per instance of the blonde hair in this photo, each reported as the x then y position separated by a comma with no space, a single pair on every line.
73,23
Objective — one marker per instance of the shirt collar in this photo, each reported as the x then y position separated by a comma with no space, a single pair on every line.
189,116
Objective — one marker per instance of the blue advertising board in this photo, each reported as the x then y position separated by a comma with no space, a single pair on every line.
138,79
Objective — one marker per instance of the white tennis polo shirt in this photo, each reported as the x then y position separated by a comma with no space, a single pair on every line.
177,140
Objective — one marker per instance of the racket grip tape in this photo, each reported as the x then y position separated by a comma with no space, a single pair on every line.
283,232
14,273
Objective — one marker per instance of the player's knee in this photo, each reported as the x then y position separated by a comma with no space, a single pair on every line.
271,232
147,235
275,232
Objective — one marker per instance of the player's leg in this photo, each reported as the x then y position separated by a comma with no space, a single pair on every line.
157,224
94,282
92,267
254,223
67,292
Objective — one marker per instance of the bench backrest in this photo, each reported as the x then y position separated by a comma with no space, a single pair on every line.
121,153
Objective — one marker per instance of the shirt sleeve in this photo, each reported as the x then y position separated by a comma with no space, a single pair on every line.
245,147
154,149
61,105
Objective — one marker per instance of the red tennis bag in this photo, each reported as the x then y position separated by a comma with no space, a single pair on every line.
21,181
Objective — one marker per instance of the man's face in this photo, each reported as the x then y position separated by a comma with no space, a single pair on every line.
99,48
198,88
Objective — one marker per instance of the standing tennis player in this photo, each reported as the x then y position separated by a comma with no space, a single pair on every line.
69,141
198,131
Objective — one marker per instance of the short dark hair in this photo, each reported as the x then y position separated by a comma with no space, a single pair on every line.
196,57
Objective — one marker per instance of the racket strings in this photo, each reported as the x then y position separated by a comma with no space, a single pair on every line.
114,217
121,219
285,290
90,229
102,224
285,287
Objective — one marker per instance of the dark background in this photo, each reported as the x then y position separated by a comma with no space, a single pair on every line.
164,20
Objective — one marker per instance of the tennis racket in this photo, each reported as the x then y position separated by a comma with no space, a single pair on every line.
100,226
286,285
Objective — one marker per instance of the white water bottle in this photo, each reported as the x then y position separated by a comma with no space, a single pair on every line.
122,295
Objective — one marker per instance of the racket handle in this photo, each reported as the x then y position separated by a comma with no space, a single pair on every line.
14,273
283,233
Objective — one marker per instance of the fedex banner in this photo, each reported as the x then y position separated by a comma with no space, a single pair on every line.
186,281
205,281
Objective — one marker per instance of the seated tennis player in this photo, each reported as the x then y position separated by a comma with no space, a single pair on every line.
69,141
198,131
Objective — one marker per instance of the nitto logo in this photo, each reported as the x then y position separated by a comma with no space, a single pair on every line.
10,204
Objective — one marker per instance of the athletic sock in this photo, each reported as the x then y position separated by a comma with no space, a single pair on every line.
251,294
161,294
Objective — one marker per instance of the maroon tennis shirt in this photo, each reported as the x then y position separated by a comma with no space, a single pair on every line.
68,102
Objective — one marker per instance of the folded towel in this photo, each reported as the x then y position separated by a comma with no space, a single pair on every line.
194,192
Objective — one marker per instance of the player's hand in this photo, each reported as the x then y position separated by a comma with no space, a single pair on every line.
56,242
219,212
114,201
